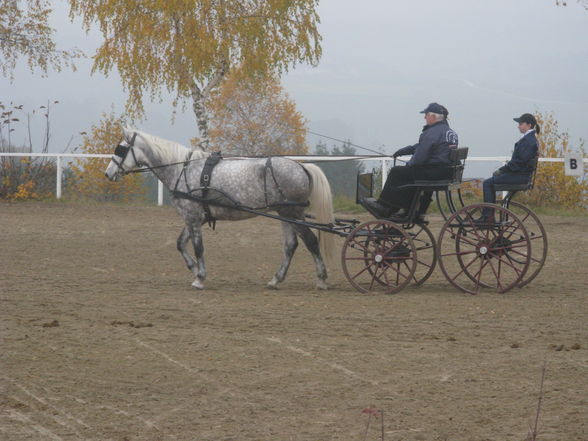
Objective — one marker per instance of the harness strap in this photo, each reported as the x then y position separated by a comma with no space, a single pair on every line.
268,166
205,177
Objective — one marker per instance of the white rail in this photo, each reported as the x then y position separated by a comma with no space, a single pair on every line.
384,159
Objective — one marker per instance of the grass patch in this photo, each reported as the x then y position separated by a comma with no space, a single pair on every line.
344,204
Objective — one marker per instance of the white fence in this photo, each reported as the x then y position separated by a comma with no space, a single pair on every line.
383,159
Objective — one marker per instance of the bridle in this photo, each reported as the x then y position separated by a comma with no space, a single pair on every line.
121,151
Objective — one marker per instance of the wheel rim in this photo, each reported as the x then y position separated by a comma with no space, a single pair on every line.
537,236
378,256
473,256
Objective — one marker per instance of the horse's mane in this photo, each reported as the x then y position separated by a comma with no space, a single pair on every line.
170,151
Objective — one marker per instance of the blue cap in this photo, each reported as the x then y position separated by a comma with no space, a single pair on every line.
435,108
526,118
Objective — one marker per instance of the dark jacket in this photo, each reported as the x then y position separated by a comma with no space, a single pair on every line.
525,151
433,147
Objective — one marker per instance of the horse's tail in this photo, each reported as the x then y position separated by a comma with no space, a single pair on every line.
321,205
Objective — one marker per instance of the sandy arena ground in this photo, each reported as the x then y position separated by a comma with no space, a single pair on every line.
103,338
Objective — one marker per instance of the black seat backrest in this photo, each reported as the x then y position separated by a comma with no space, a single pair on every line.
535,163
364,187
458,157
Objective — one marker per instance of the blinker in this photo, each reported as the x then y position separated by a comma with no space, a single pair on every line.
121,151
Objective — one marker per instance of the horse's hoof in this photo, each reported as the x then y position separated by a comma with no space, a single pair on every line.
322,285
273,284
197,284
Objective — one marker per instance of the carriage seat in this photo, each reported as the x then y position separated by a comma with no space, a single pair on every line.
457,158
520,187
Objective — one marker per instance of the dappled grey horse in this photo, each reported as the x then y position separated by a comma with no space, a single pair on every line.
277,184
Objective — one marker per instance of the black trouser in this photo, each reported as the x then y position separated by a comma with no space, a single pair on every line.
398,176
505,178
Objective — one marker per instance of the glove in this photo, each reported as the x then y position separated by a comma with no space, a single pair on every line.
401,152
502,170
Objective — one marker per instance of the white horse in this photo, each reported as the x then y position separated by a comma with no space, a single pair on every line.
260,184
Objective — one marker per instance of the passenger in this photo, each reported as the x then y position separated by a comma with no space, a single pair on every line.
520,167
430,158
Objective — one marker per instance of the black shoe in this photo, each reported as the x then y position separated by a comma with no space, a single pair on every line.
374,207
484,222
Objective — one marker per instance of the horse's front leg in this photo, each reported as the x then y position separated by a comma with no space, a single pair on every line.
312,243
182,243
290,245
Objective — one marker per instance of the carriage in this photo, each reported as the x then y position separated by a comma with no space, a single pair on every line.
389,254
378,255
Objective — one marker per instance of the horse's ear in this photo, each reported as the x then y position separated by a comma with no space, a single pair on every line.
128,132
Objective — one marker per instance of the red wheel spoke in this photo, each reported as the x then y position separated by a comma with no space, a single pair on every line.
478,275
465,268
520,254
473,225
500,259
424,263
396,270
362,271
373,278
465,239
360,244
408,268
496,275
536,237
461,253
386,278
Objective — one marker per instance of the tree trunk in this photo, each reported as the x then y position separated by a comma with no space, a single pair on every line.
199,97
202,117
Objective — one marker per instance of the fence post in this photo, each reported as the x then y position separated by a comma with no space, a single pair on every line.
58,184
159,193
384,172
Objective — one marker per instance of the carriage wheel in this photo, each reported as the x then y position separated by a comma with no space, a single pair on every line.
473,256
537,236
379,255
424,242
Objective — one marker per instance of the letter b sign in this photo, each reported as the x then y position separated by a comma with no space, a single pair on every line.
574,164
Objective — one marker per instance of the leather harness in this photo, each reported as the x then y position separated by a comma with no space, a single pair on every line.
205,179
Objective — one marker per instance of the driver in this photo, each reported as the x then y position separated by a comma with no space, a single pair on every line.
430,158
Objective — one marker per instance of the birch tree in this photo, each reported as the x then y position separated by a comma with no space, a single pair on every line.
189,46
25,32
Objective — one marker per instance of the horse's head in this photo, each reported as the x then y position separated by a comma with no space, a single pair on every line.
128,156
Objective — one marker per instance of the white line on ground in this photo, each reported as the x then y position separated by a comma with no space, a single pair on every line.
332,365
15,415
56,409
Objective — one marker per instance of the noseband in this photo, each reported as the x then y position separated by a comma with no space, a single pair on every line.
122,151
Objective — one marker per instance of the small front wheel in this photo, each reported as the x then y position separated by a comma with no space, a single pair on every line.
379,255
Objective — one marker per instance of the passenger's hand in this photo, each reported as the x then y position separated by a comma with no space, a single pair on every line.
499,172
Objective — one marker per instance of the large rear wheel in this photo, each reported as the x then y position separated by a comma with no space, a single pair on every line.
537,236
425,244
474,255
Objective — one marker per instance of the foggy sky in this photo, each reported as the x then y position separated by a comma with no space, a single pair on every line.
383,62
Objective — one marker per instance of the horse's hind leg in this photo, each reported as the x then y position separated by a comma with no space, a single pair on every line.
194,265
290,245
312,243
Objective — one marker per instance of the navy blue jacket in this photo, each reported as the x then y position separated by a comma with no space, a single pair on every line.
525,151
433,147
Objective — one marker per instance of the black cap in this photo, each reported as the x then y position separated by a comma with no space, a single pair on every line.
435,108
526,118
